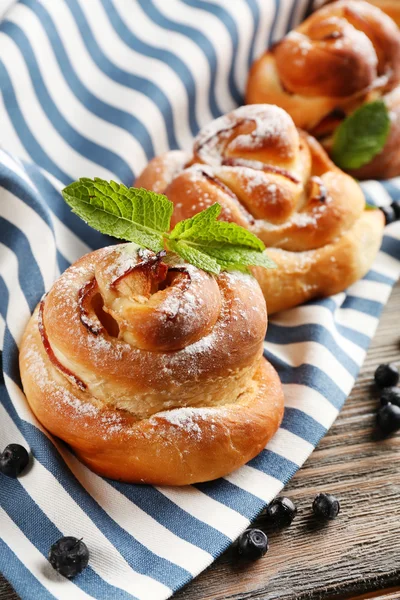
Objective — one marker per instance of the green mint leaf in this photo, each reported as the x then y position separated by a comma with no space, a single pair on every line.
232,257
204,229
370,206
229,246
199,222
132,214
361,136
194,256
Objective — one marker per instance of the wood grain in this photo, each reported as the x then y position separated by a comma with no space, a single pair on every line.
357,554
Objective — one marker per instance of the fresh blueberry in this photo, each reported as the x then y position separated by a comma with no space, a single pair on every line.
252,544
69,556
390,395
326,506
387,375
13,460
389,418
389,213
396,207
282,511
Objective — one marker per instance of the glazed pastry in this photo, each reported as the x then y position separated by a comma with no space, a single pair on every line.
390,7
152,371
344,55
279,183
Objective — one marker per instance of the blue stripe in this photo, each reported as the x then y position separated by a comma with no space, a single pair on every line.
195,36
29,275
255,12
94,152
24,583
163,55
311,332
105,111
302,425
10,348
271,37
42,533
229,23
20,188
129,80
368,307
375,276
310,376
392,189
391,246
233,496
53,199
172,516
274,465
361,339
13,183
27,139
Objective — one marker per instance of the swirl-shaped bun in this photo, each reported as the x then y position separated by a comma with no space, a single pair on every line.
152,371
390,7
278,182
345,54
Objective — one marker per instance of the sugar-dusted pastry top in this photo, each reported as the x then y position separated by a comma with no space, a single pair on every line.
151,369
278,182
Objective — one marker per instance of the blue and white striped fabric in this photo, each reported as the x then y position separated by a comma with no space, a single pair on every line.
96,89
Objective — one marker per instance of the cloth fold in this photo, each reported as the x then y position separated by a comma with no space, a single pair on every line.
97,89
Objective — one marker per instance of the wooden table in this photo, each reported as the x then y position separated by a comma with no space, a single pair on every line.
357,556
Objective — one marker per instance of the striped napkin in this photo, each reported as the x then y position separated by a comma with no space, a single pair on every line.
97,89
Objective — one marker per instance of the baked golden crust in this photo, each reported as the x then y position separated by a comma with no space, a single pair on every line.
152,372
305,209
345,54
390,7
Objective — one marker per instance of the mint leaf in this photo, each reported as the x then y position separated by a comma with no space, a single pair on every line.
199,222
232,257
370,206
143,217
361,136
204,228
194,256
132,214
229,246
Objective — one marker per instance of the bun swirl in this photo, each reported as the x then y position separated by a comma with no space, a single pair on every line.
344,55
151,369
278,182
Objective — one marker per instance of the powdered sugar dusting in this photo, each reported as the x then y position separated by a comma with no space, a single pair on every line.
189,420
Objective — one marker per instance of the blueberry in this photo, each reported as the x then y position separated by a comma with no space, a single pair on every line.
396,208
252,544
389,418
69,556
326,506
390,395
13,460
282,511
386,375
389,213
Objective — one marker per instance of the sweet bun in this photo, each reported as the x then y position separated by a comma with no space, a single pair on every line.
390,7
278,182
344,55
152,371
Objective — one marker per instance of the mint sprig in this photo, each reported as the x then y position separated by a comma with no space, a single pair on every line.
144,217
361,136
126,213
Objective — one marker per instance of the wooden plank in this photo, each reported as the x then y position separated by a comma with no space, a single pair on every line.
360,551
